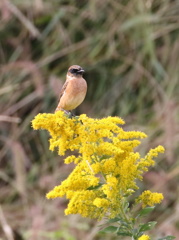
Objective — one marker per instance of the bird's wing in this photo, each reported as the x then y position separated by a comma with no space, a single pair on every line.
63,89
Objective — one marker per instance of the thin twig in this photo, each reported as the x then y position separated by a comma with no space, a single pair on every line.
89,166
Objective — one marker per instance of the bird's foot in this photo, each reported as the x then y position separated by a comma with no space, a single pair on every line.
72,114
69,113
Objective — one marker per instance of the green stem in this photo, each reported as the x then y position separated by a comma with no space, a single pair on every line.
127,220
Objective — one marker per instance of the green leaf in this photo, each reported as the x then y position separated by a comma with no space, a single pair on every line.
120,233
167,238
145,211
96,187
114,220
126,206
110,229
138,20
147,226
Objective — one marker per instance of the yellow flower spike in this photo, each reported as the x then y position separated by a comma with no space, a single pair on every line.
101,202
71,159
131,134
144,237
97,167
107,166
147,198
148,161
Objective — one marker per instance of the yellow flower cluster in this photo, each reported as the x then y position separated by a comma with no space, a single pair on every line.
147,198
106,165
144,237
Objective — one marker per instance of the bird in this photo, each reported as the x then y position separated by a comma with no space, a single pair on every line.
73,91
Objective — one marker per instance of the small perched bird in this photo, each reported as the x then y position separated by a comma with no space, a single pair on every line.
74,89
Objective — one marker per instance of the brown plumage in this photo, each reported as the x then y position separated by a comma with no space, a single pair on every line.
74,89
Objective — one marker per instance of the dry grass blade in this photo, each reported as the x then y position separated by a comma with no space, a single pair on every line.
25,101
20,160
65,51
28,67
25,21
5,226
9,119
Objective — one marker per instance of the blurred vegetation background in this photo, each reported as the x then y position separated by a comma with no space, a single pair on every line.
130,51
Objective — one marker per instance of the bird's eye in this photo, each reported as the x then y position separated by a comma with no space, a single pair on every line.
73,70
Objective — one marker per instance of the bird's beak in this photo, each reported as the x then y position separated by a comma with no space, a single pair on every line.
81,71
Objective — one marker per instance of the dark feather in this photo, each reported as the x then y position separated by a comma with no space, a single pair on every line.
63,89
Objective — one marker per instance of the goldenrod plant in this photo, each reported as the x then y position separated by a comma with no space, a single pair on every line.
103,183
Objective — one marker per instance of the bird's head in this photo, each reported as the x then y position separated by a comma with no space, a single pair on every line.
75,70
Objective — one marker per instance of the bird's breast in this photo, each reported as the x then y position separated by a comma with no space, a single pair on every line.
74,94
78,86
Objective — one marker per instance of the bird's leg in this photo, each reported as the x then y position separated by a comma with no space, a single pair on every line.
69,113
72,114
61,109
